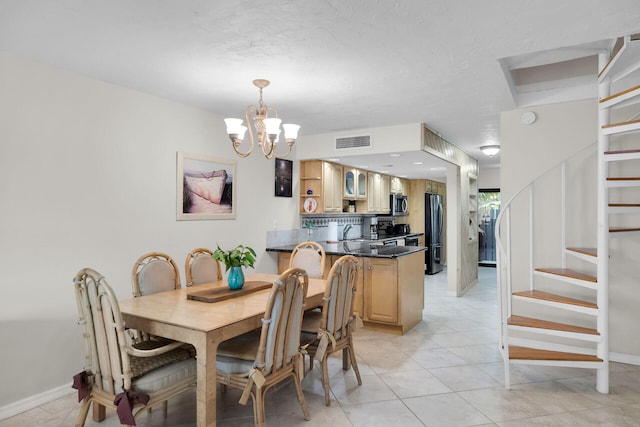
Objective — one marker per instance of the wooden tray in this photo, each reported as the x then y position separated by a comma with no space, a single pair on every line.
221,294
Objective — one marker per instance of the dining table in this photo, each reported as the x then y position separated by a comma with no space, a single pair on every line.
180,316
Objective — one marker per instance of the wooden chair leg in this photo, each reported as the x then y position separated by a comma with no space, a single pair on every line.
303,403
354,364
325,380
84,410
259,417
99,412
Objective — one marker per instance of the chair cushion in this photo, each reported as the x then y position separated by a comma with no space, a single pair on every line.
143,365
166,376
233,365
311,321
243,347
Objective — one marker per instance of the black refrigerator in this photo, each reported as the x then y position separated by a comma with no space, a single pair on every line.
433,223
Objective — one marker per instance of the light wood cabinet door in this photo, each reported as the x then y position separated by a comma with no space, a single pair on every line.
373,201
381,290
332,187
385,202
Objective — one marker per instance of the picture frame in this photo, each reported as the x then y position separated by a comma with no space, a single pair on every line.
205,187
283,178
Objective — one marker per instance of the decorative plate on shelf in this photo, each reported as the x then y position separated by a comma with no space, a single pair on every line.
310,205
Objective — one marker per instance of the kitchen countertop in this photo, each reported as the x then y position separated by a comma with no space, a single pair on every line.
357,247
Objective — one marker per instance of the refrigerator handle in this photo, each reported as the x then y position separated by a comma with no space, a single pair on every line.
440,216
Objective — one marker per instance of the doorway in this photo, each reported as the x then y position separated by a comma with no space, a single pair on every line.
488,211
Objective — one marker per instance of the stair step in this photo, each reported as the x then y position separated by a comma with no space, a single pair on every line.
523,353
616,155
623,229
565,272
622,98
621,127
618,208
623,182
586,251
529,322
546,296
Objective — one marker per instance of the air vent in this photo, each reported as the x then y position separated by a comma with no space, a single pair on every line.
353,142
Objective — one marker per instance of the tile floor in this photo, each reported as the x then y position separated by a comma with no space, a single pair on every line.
444,372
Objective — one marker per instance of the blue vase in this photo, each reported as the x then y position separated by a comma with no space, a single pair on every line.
235,278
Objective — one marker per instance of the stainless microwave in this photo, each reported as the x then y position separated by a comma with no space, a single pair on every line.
399,205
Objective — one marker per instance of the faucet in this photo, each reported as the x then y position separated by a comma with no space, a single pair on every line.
345,230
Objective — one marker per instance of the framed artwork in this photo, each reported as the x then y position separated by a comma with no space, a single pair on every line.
205,187
283,177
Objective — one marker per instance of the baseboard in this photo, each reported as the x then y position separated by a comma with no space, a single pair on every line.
629,359
31,402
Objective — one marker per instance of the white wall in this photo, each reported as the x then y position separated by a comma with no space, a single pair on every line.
88,179
405,137
488,178
561,131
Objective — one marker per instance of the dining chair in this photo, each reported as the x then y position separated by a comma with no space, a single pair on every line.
256,361
330,330
200,267
309,256
122,376
154,272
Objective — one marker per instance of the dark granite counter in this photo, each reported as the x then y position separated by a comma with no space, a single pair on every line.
360,249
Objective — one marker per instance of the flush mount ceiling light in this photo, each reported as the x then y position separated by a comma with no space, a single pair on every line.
490,150
266,128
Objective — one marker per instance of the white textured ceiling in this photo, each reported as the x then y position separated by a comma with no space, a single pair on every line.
333,65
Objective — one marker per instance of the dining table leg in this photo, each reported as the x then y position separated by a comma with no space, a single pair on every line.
206,382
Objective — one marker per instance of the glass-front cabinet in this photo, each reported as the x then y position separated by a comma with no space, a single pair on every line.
355,184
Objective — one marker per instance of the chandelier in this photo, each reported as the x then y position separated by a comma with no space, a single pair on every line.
266,128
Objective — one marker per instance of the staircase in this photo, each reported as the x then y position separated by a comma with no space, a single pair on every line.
549,337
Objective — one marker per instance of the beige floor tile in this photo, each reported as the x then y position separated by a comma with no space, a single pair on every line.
625,416
381,414
446,410
475,354
499,404
437,358
466,377
414,383
373,389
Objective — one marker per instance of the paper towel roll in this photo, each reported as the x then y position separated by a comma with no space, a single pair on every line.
332,232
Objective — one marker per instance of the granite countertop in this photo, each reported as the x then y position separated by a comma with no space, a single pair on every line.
359,248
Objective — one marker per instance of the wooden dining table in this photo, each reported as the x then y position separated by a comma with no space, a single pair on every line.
204,325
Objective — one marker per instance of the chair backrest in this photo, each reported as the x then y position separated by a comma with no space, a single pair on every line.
103,332
200,267
337,306
154,272
282,323
309,256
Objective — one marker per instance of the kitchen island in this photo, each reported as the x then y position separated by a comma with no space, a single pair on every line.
390,283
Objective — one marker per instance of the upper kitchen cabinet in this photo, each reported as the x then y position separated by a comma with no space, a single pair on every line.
355,184
332,185
320,186
399,185
378,200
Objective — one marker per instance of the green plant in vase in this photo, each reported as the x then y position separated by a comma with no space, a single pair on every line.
234,260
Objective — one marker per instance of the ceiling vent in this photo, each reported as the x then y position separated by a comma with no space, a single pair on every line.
353,142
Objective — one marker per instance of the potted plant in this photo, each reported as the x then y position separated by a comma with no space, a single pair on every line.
234,260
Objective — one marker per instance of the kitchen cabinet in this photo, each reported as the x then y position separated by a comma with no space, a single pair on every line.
320,187
332,186
399,185
381,290
378,200
393,292
355,184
